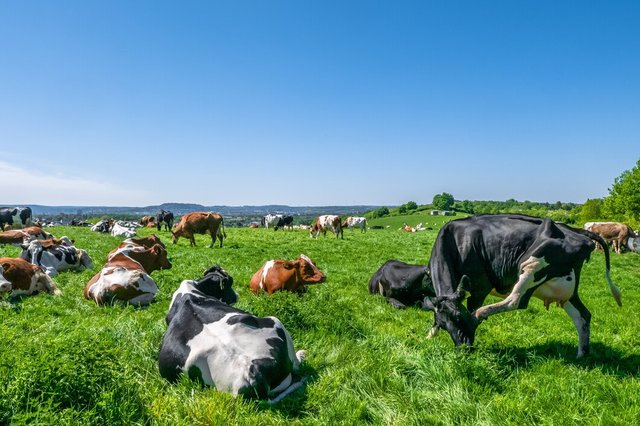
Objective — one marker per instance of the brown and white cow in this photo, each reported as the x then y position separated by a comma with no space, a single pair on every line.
617,233
21,277
326,222
199,223
355,222
148,221
144,242
125,276
278,275
19,236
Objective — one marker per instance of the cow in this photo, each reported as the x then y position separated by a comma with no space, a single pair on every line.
284,222
279,275
119,230
633,244
103,226
144,242
17,217
513,257
617,233
270,220
22,278
165,217
403,284
148,221
199,223
17,237
326,222
125,277
55,258
221,346
355,221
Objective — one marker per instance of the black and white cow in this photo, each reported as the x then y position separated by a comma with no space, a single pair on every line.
514,257
284,222
403,284
56,258
16,217
225,347
165,217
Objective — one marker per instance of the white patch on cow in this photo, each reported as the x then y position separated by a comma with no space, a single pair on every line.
634,244
581,326
5,285
557,290
117,276
265,271
224,352
120,230
186,287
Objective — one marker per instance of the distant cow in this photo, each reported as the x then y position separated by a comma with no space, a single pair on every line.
120,230
294,276
403,284
22,278
355,222
326,222
103,226
270,220
617,233
514,257
222,346
284,222
125,277
165,217
199,223
17,217
55,258
148,221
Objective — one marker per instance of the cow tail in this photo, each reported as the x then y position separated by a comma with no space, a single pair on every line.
615,291
291,388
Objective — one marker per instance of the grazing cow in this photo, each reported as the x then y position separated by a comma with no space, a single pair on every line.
21,277
510,256
199,223
284,222
17,217
270,220
55,258
225,347
326,222
355,222
277,275
403,284
119,230
125,277
165,217
618,233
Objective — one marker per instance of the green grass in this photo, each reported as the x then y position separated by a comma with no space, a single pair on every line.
424,217
64,360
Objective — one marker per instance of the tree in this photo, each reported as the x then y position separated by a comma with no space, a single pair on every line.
591,209
443,201
624,196
411,205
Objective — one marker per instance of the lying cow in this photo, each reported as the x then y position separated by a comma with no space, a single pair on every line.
125,277
103,226
22,278
294,276
514,257
617,233
144,242
120,230
225,347
148,221
403,284
199,223
326,222
355,222
55,258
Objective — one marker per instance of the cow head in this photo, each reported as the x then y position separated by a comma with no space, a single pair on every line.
451,314
176,232
5,285
307,270
162,262
217,283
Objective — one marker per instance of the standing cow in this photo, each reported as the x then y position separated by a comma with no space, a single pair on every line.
199,223
618,233
17,217
355,221
514,257
165,217
327,222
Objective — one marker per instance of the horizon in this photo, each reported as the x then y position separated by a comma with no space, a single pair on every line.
316,104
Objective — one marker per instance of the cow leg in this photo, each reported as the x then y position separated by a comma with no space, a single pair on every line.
192,240
581,319
512,301
213,239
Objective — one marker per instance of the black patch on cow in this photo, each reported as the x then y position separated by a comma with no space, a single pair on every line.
251,321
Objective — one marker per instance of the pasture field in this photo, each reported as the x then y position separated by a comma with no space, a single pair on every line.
64,360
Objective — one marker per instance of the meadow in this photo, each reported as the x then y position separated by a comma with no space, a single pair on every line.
64,360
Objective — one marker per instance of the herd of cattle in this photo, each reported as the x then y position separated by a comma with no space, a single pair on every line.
514,257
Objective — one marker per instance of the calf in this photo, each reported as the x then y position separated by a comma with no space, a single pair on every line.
326,222
22,278
55,258
125,277
225,347
199,223
278,275
514,257
355,222
403,284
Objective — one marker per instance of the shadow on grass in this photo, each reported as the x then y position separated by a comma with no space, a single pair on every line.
602,357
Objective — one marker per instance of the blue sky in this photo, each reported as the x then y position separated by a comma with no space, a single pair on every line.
316,102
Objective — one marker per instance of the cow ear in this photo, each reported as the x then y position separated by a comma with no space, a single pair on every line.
288,264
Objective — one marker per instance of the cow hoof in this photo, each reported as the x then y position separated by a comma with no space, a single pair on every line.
301,355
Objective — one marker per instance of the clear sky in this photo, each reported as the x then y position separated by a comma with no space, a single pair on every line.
316,102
